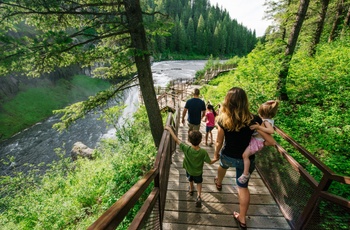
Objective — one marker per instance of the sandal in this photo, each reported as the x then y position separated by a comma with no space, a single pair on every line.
218,186
239,223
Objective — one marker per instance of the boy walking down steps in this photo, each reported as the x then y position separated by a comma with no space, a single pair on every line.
194,160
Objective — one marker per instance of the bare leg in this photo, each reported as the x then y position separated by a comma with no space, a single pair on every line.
199,193
211,137
221,175
199,189
244,200
191,186
246,161
206,138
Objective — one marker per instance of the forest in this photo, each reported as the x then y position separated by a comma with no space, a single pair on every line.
302,60
201,29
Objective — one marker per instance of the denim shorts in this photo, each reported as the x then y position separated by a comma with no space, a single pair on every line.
195,179
208,129
227,162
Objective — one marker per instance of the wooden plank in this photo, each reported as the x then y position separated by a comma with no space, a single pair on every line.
212,188
256,199
223,220
217,206
175,226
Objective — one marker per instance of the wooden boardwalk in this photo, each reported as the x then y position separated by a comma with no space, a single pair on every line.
217,206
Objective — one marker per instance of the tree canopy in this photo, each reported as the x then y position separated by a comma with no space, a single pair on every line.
113,39
108,37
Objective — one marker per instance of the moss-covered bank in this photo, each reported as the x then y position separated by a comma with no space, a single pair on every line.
37,102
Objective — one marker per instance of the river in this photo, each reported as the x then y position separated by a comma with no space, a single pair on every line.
37,144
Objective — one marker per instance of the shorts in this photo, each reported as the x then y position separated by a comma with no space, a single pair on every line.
255,145
227,162
195,179
192,127
208,129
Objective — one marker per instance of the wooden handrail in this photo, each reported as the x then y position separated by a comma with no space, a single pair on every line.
116,213
320,189
159,175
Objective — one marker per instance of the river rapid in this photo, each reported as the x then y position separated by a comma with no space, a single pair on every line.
37,144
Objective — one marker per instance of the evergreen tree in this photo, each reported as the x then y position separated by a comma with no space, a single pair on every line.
187,20
104,37
182,39
191,35
200,34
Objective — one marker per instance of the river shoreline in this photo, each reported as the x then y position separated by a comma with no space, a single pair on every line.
37,144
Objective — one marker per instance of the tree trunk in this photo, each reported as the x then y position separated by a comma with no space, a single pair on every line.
346,22
284,29
319,27
292,41
142,60
337,21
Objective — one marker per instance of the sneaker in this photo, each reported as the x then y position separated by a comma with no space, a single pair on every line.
244,178
198,202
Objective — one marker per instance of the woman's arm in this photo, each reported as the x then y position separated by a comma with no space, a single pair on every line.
269,140
265,130
265,127
219,142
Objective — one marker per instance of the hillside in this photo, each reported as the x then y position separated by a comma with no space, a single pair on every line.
25,102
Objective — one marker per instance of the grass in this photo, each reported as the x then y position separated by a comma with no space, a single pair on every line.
36,104
72,195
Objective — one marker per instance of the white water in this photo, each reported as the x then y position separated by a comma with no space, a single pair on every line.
38,143
162,72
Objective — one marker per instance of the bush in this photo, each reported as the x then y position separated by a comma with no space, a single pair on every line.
317,114
72,195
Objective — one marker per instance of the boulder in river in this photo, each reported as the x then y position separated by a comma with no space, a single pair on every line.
79,149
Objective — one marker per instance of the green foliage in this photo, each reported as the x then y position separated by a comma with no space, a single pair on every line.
35,104
317,114
78,110
208,65
72,195
200,29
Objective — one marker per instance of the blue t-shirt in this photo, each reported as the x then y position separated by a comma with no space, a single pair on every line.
195,106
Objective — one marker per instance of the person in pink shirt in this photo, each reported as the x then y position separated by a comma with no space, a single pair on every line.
209,118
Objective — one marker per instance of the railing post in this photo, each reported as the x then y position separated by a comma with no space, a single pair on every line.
160,214
312,203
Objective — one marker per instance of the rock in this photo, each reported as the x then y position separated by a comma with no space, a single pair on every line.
79,149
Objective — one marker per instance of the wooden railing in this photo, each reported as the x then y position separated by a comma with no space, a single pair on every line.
170,95
153,207
305,202
216,70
